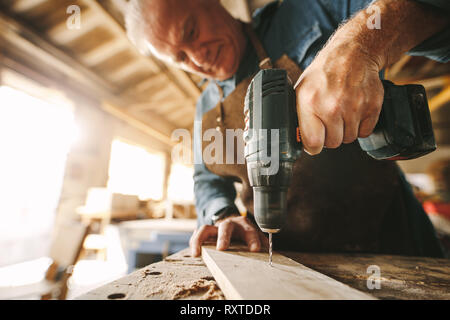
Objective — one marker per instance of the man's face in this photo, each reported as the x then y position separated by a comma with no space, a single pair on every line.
199,36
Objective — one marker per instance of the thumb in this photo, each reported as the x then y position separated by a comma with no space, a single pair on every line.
312,132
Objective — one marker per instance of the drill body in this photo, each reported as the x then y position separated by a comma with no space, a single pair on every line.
273,143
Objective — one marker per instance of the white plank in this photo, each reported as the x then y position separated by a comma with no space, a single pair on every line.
244,275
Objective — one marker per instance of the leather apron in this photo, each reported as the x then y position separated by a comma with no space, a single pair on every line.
338,200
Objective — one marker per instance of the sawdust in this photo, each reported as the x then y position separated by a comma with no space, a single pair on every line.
176,278
199,289
209,289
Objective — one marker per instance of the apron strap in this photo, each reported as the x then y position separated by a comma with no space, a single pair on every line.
264,63
264,60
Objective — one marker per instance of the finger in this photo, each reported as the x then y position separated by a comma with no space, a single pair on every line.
351,130
367,125
200,236
334,133
312,132
372,111
251,237
225,231
250,234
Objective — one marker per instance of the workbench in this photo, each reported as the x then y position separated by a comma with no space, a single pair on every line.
181,276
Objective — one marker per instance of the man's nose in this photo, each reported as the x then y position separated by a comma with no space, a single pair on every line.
199,56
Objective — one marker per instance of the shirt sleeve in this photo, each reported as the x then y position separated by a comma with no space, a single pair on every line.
213,193
437,47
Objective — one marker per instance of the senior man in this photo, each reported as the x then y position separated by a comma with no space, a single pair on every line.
340,199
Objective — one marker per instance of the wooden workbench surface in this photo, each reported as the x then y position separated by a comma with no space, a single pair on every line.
180,276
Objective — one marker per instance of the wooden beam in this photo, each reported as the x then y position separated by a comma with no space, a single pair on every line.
26,5
429,83
134,66
104,51
440,99
41,55
167,168
244,275
186,86
63,35
162,94
186,82
179,113
114,26
152,81
37,48
393,71
168,104
119,113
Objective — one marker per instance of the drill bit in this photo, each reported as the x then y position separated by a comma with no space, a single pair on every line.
270,249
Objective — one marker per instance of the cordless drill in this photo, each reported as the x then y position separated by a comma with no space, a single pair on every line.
273,142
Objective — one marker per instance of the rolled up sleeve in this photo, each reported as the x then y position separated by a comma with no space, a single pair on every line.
437,47
212,194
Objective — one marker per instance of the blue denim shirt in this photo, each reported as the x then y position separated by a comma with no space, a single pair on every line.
298,28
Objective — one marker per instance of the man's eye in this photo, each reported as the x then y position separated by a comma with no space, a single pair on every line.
191,34
182,57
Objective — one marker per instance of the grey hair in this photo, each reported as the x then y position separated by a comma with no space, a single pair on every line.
135,24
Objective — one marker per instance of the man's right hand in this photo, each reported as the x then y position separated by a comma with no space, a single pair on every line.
232,227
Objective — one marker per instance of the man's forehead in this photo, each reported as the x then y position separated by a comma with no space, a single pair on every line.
165,21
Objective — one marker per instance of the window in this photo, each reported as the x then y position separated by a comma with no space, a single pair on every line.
135,171
35,138
181,183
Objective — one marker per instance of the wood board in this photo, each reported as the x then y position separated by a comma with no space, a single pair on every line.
401,277
180,276
244,275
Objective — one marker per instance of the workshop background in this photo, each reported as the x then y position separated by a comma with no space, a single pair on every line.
89,191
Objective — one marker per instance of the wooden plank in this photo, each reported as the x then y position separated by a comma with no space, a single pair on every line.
67,242
243,275
401,277
177,277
